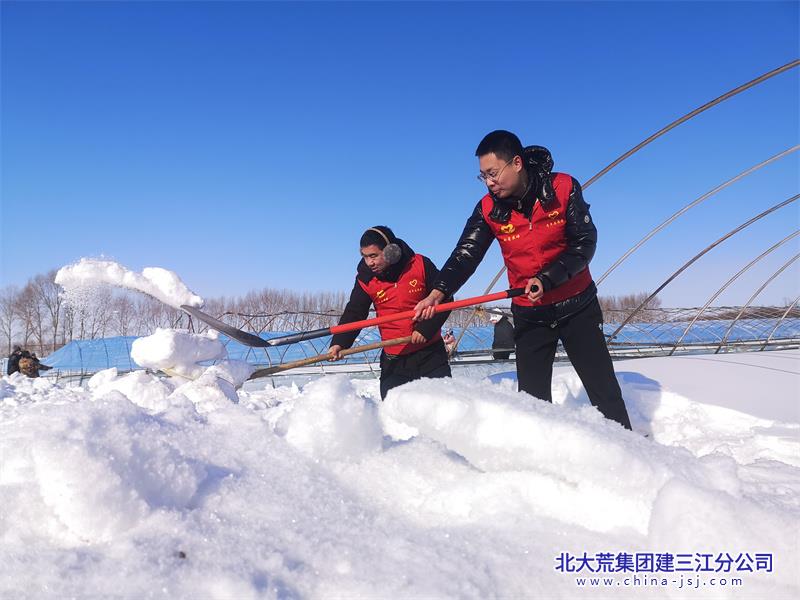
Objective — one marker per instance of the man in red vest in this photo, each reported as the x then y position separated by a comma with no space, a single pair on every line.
547,239
393,278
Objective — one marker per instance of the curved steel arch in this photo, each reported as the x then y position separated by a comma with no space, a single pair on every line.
694,113
696,257
691,205
729,282
753,297
774,329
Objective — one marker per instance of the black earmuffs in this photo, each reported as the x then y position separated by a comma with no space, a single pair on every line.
392,252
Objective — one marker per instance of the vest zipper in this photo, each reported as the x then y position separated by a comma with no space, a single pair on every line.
530,218
522,212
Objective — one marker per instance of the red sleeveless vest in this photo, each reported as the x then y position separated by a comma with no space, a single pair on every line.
391,297
529,245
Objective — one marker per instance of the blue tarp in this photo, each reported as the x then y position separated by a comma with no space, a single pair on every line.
90,356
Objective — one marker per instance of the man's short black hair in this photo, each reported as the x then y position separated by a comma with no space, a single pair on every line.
504,144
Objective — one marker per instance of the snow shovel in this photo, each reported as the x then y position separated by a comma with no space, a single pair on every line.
323,357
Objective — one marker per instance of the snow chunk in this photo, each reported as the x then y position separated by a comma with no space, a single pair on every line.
154,281
208,393
177,350
330,420
138,387
235,372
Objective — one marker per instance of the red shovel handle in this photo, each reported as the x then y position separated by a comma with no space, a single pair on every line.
407,314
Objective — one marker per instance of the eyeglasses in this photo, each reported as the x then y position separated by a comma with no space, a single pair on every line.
484,177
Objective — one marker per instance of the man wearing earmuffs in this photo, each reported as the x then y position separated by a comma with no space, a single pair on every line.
394,278
547,239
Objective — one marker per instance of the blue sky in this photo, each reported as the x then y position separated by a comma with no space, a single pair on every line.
248,145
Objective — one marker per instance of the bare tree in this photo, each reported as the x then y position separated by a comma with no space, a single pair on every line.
68,319
8,315
617,308
122,315
25,308
48,302
101,314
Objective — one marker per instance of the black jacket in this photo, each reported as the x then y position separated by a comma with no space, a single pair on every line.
359,303
13,360
17,355
503,338
477,236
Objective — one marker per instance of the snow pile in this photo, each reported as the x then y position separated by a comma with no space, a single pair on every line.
79,279
138,388
329,420
177,353
608,483
577,467
87,471
215,388
457,488
102,471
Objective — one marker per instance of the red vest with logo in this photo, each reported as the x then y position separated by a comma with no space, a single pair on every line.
529,245
392,297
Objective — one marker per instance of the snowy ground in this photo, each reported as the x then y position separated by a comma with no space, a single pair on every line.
142,487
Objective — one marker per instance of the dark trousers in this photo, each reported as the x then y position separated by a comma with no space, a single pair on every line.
430,361
537,332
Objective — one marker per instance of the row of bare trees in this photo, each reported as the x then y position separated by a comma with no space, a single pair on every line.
38,318
627,301
34,313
